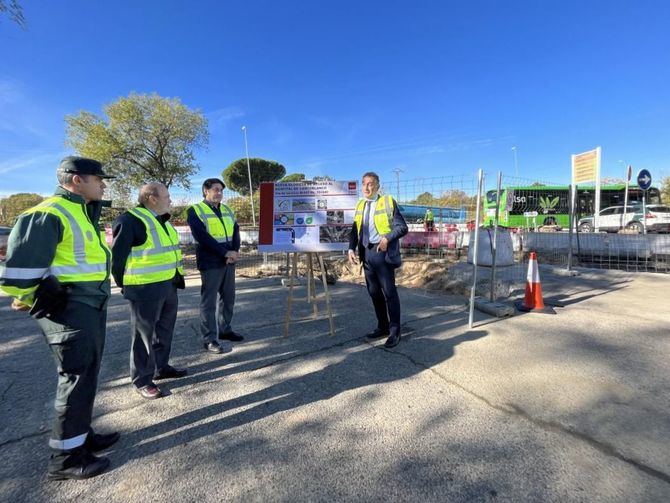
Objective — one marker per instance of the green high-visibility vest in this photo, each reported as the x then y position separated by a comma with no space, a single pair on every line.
81,255
220,229
383,217
158,257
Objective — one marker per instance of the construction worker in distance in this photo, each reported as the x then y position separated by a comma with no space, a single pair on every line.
429,220
57,267
147,265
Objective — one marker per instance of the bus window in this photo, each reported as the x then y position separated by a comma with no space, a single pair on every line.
611,198
585,203
634,195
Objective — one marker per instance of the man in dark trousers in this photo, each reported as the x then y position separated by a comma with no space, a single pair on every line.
217,237
58,269
147,266
375,241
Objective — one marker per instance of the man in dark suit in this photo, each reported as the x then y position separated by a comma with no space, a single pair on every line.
375,235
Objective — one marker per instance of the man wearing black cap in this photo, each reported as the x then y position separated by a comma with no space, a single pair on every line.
217,237
58,267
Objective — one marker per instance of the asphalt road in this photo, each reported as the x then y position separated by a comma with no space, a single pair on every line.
565,407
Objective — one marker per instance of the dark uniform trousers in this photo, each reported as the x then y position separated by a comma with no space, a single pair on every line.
152,324
76,338
380,280
217,300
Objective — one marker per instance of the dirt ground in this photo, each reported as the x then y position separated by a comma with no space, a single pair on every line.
416,272
419,271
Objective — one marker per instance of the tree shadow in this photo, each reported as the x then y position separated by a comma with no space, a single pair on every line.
363,365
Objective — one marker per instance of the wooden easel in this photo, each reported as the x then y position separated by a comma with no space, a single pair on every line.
311,289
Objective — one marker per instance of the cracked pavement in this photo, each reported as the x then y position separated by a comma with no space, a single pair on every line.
565,407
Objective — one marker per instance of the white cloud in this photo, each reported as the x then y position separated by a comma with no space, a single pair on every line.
279,132
10,92
32,162
221,116
22,117
412,147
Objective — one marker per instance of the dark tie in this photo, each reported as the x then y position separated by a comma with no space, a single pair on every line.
365,228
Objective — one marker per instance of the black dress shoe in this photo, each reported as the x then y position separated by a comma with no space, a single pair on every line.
213,347
231,336
99,442
76,464
393,340
377,333
169,372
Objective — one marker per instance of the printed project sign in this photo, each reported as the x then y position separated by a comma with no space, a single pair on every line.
586,166
306,216
585,169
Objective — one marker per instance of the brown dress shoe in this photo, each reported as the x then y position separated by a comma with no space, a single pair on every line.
150,391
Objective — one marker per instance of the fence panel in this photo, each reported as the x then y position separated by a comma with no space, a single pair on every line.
440,213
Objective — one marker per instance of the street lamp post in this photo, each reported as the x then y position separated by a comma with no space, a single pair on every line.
397,172
251,190
516,163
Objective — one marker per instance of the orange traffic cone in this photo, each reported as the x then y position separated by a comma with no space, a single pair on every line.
533,299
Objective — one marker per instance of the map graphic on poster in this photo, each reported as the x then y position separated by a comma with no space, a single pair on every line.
306,216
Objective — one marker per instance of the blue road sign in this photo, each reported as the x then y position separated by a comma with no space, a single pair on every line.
644,179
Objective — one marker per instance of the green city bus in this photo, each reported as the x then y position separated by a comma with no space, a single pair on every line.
534,205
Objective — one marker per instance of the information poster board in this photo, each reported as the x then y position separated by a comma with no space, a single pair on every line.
306,216
586,166
585,169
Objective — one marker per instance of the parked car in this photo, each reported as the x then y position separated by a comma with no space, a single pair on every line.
658,219
4,236
610,219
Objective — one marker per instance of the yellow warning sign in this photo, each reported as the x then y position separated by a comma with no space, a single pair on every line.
585,166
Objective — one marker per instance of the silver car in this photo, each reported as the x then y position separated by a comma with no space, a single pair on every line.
610,219
658,219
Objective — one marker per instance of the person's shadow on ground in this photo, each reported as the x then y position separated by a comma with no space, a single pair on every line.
361,367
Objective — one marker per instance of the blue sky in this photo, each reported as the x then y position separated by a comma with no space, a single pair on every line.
435,88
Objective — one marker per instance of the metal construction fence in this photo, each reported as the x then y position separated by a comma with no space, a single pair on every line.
523,214
441,213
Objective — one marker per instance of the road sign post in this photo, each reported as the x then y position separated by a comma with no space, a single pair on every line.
644,179
644,182
629,173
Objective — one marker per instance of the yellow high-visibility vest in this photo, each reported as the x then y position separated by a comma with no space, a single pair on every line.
220,229
383,217
81,255
158,257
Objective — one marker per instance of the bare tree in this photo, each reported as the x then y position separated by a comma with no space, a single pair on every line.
15,12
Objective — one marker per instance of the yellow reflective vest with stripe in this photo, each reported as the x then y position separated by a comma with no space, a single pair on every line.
81,254
220,229
158,257
383,217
